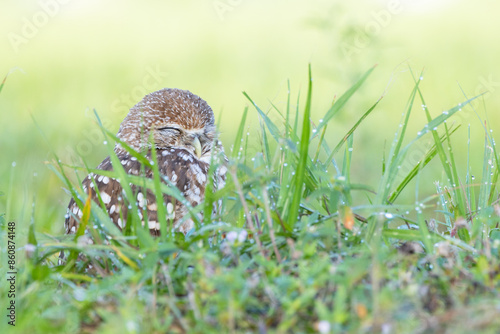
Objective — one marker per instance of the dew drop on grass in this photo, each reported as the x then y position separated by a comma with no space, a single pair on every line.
389,215
285,164
350,149
14,164
421,78
105,142
445,112
314,130
419,133
321,120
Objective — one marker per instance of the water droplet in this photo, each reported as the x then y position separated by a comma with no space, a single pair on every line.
14,164
445,112
389,215
421,78
105,142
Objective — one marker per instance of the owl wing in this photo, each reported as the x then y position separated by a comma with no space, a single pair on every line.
178,166
110,191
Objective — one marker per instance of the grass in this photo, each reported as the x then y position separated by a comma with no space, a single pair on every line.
297,247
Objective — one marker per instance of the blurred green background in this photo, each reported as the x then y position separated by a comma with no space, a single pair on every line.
66,58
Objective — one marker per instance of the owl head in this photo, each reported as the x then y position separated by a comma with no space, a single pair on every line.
169,118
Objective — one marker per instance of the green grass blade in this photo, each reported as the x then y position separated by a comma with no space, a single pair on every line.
3,83
351,131
239,135
273,129
337,106
303,157
428,156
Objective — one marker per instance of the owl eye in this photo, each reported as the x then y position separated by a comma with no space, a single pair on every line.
169,128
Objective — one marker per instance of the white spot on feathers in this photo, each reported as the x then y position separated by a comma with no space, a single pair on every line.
170,208
112,209
151,224
201,178
105,197
140,199
105,180
222,170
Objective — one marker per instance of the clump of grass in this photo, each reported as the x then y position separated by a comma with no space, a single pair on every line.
291,251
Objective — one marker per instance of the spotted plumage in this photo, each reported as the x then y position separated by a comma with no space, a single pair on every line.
181,127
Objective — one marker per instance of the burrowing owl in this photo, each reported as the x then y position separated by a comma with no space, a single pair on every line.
181,126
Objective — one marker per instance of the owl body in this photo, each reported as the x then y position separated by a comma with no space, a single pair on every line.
181,127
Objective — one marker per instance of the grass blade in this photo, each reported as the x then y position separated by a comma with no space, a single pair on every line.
337,106
303,157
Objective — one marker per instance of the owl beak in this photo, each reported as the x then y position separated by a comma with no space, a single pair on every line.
197,146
